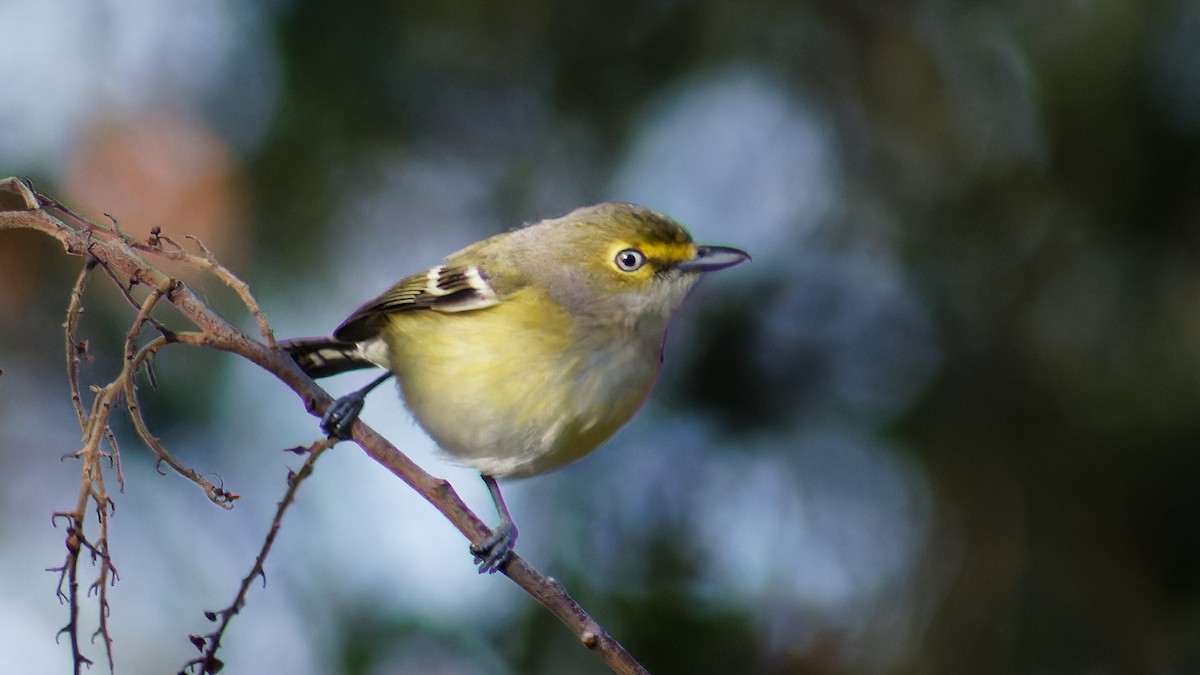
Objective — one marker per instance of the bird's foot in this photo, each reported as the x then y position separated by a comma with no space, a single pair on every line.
495,552
340,415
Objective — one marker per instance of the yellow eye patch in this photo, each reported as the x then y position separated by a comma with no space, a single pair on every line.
643,260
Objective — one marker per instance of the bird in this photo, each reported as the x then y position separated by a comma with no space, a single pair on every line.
524,351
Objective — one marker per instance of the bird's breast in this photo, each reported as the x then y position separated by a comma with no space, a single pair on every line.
514,389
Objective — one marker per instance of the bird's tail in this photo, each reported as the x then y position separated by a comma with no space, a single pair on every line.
322,357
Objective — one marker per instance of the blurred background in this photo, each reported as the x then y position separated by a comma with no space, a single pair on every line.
946,422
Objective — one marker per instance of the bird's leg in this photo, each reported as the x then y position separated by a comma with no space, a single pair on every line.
342,412
494,553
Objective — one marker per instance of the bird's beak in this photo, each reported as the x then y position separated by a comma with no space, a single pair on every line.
713,258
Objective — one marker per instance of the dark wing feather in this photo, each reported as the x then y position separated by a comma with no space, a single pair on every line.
453,288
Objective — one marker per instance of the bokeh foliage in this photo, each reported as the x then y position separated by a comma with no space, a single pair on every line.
1030,172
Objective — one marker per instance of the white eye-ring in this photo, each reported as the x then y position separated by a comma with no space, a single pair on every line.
629,260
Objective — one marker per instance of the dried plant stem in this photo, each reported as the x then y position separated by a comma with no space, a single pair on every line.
208,644
74,347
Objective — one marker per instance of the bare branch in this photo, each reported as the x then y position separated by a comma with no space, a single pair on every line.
208,644
75,348
216,493
209,262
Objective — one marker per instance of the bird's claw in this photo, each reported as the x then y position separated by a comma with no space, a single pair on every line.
340,416
495,552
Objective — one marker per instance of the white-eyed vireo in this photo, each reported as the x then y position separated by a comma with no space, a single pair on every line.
524,351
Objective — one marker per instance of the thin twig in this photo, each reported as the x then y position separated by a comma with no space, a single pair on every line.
208,261
216,493
242,289
68,574
125,291
208,644
91,490
74,347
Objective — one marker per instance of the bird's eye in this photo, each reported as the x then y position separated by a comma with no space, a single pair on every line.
629,260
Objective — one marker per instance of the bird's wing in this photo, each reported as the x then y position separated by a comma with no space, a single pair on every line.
445,288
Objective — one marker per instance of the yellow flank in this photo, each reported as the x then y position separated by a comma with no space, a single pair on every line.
495,387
